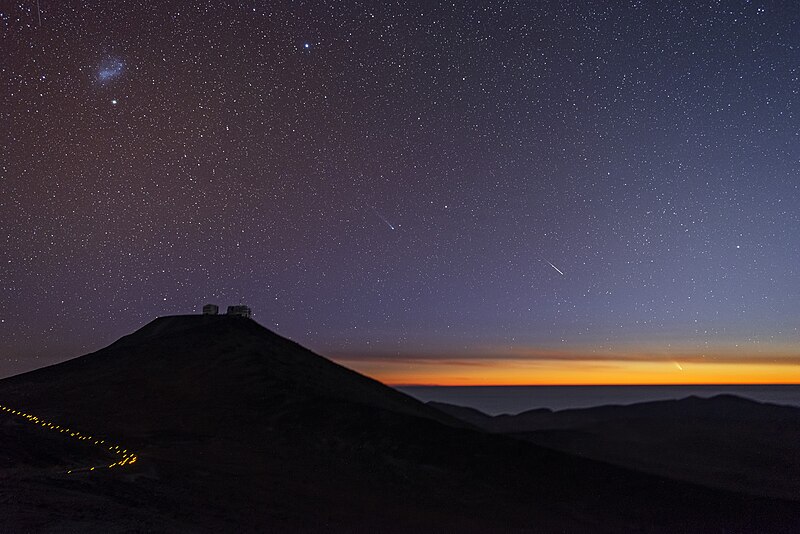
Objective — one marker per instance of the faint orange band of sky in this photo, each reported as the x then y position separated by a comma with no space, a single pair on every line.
472,372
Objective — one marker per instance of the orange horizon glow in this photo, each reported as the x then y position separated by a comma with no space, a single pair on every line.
518,372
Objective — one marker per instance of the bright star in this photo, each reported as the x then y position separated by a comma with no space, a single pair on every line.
114,101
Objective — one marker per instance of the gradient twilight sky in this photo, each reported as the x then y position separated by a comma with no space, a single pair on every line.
429,192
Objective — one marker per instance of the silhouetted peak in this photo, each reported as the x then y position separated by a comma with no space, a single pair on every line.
211,361
170,325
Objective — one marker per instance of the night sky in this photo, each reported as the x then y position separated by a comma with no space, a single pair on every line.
429,192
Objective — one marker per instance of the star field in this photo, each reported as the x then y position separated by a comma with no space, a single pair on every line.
405,182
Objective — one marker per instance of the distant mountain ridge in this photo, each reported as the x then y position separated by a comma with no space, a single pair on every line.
732,406
724,441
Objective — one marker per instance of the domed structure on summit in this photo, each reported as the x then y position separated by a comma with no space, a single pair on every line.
238,311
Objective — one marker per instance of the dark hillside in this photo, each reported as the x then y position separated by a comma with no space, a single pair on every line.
236,427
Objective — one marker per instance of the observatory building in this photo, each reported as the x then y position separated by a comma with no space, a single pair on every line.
236,311
240,311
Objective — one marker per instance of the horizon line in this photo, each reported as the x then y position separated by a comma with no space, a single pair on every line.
402,385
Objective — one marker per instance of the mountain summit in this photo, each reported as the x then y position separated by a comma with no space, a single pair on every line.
236,427
177,365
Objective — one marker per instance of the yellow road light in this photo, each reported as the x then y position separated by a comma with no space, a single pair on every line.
75,434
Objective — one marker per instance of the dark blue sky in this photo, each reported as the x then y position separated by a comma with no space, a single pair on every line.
404,180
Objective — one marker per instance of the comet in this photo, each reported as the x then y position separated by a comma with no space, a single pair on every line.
554,267
382,218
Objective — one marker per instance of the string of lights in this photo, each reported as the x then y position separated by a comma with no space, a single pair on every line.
125,457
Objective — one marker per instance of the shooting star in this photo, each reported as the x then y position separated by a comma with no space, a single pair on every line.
39,13
554,267
381,217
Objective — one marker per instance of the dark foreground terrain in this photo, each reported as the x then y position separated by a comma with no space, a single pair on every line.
725,441
236,428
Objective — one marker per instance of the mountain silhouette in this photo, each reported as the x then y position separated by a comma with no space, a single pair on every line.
724,441
235,427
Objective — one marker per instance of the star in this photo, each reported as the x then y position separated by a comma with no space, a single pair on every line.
490,164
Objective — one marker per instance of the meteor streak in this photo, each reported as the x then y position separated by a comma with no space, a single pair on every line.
554,267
